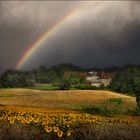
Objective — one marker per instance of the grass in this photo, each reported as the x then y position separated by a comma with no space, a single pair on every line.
44,87
96,110
115,100
104,110
6,95
112,106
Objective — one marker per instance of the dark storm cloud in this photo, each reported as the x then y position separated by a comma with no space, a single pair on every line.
99,34
97,51
13,42
21,23
109,39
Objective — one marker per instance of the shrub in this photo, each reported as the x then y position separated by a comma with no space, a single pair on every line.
84,86
64,85
115,100
96,110
106,110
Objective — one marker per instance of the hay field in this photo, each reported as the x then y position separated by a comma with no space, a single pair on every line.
68,99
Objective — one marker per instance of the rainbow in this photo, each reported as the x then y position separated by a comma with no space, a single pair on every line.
43,38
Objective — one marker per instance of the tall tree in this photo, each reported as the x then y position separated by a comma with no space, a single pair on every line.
127,80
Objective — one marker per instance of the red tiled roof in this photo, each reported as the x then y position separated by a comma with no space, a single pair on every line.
68,74
105,75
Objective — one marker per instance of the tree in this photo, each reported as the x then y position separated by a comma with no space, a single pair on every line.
137,92
127,80
53,74
13,78
64,84
40,75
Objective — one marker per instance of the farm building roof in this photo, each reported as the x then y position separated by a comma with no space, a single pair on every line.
81,74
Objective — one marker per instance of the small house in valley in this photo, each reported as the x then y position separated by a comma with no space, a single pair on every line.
105,78
92,78
98,79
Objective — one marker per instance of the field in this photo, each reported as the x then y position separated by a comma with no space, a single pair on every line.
45,87
48,115
68,99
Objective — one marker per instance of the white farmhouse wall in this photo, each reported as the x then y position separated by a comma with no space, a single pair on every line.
96,84
105,82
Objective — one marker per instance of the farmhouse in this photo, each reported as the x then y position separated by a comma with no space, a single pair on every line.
92,78
105,78
99,78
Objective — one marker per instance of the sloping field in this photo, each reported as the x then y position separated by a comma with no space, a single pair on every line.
69,99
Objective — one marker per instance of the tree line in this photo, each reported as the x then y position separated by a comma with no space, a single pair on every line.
14,78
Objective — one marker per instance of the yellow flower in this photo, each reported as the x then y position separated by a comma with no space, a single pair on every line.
60,134
18,118
68,133
28,120
56,129
23,121
12,120
9,118
1,118
36,120
48,129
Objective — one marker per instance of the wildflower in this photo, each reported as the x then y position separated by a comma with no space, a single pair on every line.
23,121
36,120
12,120
9,118
68,133
28,120
48,129
1,118
56,129
60,134
31,118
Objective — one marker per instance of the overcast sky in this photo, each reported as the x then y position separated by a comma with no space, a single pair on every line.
99,34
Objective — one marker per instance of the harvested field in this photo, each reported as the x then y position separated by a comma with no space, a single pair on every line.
68,99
